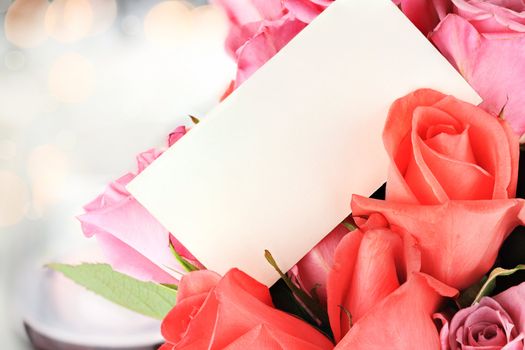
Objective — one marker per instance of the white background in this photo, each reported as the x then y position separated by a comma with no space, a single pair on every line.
74,111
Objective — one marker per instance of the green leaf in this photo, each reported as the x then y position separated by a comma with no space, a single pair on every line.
467,296
489,285
146,298
189,267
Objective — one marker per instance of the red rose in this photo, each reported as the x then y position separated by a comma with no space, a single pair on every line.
234,313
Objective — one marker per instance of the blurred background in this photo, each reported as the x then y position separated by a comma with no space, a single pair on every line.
84,86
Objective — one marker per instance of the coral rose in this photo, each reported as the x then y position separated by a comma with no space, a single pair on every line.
443,149
234,313
377,299
459,240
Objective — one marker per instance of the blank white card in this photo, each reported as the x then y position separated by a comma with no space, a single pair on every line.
275,165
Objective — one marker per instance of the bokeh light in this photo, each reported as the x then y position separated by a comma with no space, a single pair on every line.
104,14
24,24
85,85
169,23
71,78
209,22
69,20
13,198
48,168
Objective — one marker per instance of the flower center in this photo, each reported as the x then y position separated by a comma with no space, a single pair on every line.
484,334
490,332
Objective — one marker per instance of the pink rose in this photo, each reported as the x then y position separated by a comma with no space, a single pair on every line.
485,41
425,14
132,240
312,271
306,10
492,324
259,29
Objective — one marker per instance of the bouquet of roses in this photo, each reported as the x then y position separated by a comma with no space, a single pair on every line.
432,261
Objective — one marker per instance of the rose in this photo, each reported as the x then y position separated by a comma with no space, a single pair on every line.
369,263
261,28
443,149
311,271
402,320
492,324
459,240
425,14
306,10
461,163
131,239
484,40
377,299
233,312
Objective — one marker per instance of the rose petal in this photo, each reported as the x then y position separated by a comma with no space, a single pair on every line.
176,135
304,10
459,240
476,55
452,146
130,223
127,260
339,281
494,16
406,316
494,150
198,282
459,180
425,14
513,301
367,267
234,307
268,337
270,38
312,271
396,137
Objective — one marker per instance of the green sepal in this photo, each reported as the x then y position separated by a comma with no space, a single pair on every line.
489,285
